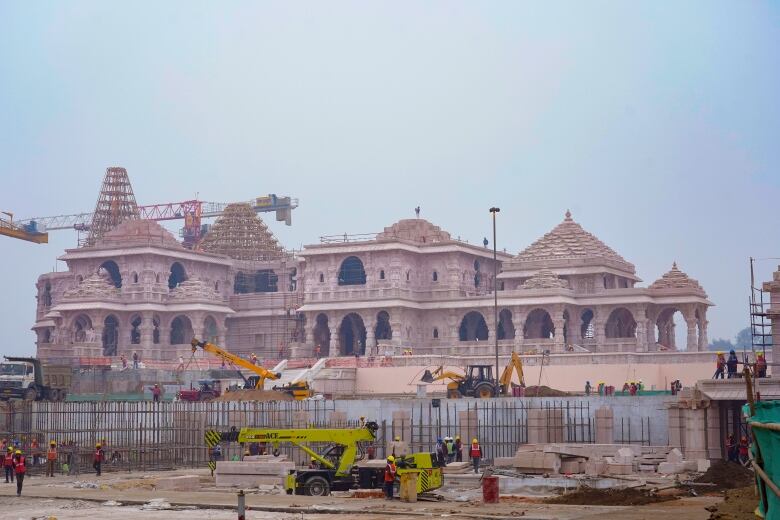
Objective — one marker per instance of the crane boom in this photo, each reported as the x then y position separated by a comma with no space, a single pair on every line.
262,372
29,231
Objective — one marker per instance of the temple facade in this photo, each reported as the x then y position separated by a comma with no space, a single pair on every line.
414,287
410,287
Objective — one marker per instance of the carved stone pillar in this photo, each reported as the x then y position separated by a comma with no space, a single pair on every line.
599,333
518,320
147,332
692,344
703,337
369,321
559,323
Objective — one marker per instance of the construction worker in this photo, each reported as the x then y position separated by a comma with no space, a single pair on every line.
20,468
731,449
720,366
760,365
731,364
743,451
449,443
35,451
475,452
8,464
587,387
458,449
389,477
97,458
313,464
51,458
441,453
396,447
253,358
156,393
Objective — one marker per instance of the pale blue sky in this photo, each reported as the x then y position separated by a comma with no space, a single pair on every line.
655,122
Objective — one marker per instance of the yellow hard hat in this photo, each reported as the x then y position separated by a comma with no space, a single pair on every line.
760,354
474,440
457,437
18,452
53,443
397,438
720,352
97,445
390,458
10,448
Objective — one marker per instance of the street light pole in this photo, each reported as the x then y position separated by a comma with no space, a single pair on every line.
493,211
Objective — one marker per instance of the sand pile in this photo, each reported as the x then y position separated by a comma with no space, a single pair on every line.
254,394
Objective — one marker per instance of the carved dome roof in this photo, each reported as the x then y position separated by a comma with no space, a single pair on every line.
239,233
568,240
138,232
415,230
93,286
545,279
676,279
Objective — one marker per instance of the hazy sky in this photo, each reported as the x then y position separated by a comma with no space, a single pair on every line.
657,123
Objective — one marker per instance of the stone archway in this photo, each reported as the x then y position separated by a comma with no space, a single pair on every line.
110,335
667,328
473,327
587,329
321,334
538,325
352,335
506,329
383,330
181,330
620,324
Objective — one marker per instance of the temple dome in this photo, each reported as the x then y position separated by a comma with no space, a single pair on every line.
137,233
569,241
416,230
545,279
239,233
676,279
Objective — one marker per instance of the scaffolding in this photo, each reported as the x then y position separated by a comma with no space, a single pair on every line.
760,321
240,234
115,204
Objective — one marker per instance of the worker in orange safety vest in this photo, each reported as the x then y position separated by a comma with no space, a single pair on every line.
475,452
390,470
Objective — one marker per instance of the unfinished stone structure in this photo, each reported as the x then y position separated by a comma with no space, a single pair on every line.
133,287
414,286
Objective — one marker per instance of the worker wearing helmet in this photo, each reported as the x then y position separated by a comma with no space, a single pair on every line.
8,464
313,464
475,452
390,470
51,458
458,449
760,365
97,458
720,366
20,468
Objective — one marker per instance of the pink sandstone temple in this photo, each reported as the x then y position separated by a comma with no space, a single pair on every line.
136,288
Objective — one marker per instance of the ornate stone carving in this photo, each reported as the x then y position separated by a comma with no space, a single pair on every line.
676,279
194,289
93,287
545,279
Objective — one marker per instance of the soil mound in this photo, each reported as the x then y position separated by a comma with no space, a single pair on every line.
254,394
587,496
544,391
727,475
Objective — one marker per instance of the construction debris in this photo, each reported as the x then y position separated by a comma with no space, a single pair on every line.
586,496
727,475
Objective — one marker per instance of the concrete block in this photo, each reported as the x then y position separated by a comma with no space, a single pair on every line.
674,455
571,466
595,467
690,465
536,462
620,469
702,465
624,456
180,483
670,468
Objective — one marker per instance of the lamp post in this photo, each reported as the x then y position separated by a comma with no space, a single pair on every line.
493,211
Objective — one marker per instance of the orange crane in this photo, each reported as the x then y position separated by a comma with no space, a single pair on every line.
29,231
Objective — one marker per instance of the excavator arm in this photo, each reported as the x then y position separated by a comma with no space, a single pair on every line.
262,372
440,374
515,364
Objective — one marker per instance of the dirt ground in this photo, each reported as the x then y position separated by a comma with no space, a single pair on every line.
129,495
609,497
738,504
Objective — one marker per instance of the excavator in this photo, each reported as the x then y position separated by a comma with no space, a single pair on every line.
298,390
337,466
478,380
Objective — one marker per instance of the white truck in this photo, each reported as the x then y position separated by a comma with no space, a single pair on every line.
25,378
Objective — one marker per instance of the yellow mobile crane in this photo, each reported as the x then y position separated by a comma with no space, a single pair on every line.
299,390
336,465
478,380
